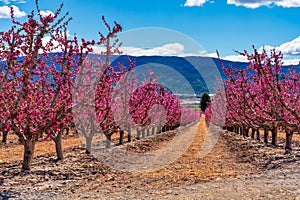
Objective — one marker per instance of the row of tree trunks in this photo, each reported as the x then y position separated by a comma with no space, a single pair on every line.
29,145
240,130
146,131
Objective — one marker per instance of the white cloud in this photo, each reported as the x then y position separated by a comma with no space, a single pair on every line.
190,3
212,55
12,1
290,51
240,58
46,13
170,49
294,61
290,48
5,1
5,12
236,58
249,3
18,1
258,3
46,40
167,49
288,3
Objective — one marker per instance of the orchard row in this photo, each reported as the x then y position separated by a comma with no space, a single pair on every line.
49,82
259,98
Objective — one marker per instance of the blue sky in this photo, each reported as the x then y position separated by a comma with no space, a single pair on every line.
223,25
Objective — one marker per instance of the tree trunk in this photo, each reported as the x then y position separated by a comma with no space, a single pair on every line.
58,144
257,134
67,131
242,131
108,141
138,134
252,133
159,129
163,129
247,132
153,130
4,136
288,141
274,136
266,134
121,137
143,133
88,144
58,147
129,135
237,130
28,154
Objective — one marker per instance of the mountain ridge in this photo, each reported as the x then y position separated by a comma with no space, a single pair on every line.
200,72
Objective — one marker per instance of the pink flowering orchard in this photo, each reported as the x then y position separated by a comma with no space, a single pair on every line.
110,75
147,106
261,97
93,91
153,106
35,83
40,69
48,83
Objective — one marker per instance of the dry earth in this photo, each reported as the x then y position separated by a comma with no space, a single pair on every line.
236,168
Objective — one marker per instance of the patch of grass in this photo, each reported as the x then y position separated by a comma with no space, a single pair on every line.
198,108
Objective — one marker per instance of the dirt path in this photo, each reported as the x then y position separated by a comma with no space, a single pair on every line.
220,162
234,169
277,184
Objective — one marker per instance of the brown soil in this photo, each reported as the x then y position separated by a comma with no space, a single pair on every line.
83,176
13,151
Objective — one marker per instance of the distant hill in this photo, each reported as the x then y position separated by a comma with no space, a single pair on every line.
185,75
182,75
